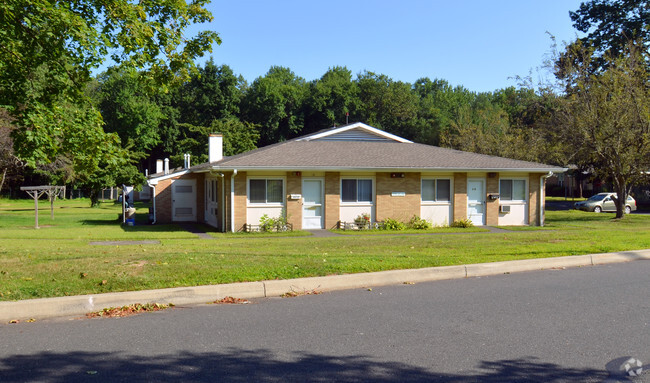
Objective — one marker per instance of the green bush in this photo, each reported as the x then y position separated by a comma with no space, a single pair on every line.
418,223
393,224
273,224
464,223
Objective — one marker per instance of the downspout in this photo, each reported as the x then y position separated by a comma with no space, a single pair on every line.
542,179
223,202
153,201
232,200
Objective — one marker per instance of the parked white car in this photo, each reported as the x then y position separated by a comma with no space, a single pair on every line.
604,202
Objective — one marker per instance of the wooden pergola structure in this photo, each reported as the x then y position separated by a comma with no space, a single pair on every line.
37,191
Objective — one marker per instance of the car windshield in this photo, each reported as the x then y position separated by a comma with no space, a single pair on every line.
597,197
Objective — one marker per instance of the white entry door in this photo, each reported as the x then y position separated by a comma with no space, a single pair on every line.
184,200
476,201
312,207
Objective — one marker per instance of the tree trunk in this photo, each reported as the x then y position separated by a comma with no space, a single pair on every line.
94,197
4,174
621,197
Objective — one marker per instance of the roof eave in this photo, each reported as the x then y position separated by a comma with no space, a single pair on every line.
155,180
383,169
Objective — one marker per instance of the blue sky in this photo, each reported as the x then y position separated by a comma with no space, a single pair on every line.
477,44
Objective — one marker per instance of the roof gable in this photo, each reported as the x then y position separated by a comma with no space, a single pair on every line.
354,132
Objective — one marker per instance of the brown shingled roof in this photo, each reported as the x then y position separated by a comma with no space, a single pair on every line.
366,155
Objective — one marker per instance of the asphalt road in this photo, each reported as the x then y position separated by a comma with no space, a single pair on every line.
573,325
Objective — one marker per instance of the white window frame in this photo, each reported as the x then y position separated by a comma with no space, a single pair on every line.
357,203
436,202
248,191
514,200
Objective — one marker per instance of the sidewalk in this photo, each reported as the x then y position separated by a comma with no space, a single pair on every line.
82,304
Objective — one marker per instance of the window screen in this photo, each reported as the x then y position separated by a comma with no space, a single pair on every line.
436,190
349,190
512,190
356,190
365,190
428,190
257,191
274,191
443,190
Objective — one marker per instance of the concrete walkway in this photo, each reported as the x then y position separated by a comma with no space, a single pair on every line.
322,233
192,228
82,304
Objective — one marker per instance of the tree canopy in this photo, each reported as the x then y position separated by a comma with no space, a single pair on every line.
611,24
607,116
47,52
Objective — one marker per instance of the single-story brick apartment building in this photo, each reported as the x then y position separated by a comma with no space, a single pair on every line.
338,174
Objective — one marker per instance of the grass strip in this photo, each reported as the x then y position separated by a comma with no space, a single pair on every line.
58,260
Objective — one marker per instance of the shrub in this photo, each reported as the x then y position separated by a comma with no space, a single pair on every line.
418,223
363,220
273,224
464,223
393,224
266,223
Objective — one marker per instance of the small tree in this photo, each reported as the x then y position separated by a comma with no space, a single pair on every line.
607,115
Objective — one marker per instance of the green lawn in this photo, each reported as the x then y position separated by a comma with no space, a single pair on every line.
58,260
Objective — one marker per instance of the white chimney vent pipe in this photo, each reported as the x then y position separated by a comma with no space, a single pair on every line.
186,161
166,165
215,147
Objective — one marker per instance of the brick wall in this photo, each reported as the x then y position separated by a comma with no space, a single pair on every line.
227,206
240,200
492,206
533,198
164,198
163,201
399,208
460,197
294,207
332,199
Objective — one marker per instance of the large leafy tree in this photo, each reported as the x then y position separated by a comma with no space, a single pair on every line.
274,102
238,137
213,92
48,50
607,115
387,104
10,166
128,110
439,104
73,37
333,99
610,24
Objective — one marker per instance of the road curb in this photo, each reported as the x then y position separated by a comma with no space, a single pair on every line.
82,304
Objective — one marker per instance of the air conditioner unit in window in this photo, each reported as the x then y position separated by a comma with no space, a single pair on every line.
504,209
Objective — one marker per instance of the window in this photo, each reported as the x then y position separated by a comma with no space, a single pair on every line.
356,190
436,190
265,191
512,190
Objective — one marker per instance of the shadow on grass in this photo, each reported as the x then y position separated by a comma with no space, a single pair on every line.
237,365
139,227
100,222
578,216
